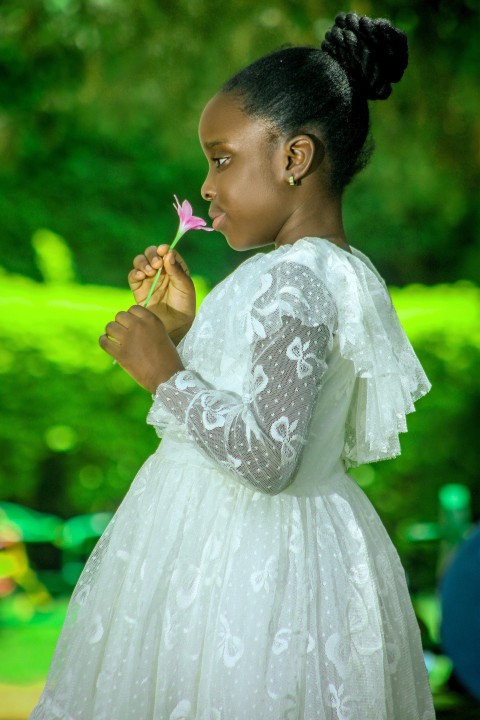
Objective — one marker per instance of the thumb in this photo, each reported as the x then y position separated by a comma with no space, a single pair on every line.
175,266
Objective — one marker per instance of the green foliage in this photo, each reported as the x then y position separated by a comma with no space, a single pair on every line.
27,639
74,433
54,257
98,125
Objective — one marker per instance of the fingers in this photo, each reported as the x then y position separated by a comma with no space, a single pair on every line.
167,257
122,332
139,311
122,318
154,257
175,264
146,265
116,330
110,347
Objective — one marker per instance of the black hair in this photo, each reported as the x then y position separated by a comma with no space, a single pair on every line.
295,89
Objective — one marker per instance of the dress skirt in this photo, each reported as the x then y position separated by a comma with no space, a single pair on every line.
205,600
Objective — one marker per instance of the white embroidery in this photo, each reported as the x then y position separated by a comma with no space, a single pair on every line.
260,379
298,351
213,417
182,711
231,463
185,380
281,641
341,703
97,630
187,584
211,714
230,647
262,578
282,430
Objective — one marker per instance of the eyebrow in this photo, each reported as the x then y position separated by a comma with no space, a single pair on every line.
212,143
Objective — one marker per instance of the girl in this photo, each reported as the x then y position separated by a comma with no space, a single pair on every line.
245,575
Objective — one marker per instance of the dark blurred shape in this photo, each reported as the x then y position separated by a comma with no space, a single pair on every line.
460,596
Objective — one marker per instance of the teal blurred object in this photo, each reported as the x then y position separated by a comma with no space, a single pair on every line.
79,529
75,541
74,537
33,526
36,526
455,511
454,523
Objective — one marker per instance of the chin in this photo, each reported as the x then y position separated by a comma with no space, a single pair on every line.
239,246
242,245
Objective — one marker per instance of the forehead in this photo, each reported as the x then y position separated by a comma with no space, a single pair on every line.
224,122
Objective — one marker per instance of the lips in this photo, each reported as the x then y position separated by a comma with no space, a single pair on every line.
217,217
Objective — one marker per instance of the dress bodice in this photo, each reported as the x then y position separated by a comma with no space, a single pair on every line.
321,317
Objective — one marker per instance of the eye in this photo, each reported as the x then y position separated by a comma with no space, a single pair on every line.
219,161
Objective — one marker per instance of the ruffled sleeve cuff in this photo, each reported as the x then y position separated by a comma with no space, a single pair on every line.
390,378
169,408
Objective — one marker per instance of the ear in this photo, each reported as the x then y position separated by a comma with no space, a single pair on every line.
302,155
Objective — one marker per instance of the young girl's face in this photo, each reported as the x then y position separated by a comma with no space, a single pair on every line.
246,182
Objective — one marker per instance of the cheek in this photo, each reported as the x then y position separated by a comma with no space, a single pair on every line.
260,196
255,206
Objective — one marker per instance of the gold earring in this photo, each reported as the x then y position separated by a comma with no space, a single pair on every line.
292,181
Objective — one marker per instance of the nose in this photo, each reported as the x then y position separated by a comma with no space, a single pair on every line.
207,190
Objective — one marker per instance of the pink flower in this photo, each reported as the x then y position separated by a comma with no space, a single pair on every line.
187,222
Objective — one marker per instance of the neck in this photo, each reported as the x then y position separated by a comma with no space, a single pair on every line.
320,216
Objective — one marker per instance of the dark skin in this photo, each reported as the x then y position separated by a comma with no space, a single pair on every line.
252,203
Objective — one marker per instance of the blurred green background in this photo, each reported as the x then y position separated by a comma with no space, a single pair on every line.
99,104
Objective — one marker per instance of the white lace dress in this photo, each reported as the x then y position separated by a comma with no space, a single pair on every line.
245,575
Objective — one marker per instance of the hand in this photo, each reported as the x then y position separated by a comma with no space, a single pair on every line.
173,300
139,342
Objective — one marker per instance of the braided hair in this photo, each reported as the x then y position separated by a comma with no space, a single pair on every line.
299,89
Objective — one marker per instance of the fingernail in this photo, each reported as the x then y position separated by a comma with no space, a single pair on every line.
172,259
148,268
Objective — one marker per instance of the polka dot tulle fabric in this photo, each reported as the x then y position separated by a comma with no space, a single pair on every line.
245,575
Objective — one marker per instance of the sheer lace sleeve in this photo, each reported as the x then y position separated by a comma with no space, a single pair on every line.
258,436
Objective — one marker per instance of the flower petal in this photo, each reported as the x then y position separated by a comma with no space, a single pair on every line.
187,220
186,210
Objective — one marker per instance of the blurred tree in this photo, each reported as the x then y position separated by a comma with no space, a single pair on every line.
99,103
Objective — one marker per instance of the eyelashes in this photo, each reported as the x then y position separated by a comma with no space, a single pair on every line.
220,161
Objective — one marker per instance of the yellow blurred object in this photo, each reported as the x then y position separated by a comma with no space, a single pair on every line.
18,701
15,567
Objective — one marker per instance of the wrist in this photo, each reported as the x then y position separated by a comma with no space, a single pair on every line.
162,378
179,333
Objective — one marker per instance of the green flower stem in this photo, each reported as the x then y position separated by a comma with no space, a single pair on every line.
177,237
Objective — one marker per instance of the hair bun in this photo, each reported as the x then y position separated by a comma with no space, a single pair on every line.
373,53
